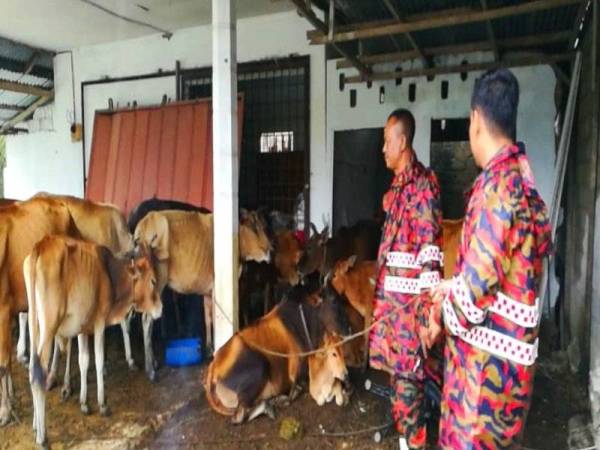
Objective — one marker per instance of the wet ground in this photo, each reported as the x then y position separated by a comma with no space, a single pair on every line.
173,413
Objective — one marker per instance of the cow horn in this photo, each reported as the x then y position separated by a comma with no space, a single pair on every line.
313,228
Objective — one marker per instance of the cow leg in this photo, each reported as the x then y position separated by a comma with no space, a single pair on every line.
51,381
38,369
65,392
125,327
208,318
99,355
5,349
22,342
263,407
147,323
84,364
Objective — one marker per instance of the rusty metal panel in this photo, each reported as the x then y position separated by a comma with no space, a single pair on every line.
163,151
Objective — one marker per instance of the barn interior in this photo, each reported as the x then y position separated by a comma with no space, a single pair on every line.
281,105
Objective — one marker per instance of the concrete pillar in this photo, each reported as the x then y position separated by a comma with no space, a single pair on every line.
225,170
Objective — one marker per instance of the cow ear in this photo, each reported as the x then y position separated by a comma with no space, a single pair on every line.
160,240
244,215
133,270
324,235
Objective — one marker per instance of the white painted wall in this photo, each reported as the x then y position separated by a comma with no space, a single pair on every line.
535,120
276,35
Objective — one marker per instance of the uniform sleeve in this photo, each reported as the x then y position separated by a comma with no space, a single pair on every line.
428,217
484,264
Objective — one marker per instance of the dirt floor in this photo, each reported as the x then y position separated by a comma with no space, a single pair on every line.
173,413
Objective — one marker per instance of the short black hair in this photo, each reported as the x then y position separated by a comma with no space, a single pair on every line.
408,122
496,96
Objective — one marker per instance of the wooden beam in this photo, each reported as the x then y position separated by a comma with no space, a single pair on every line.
26,113
21,67
394,12
490,32
13,86
441,21
31,63
7,107
409,18
317,23
519,42
517,62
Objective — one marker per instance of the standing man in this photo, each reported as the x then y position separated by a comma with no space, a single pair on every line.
408,265
490,310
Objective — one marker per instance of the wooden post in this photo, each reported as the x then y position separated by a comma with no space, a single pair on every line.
225,171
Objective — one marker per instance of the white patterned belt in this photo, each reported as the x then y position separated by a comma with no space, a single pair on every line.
405,260
491,341
406,285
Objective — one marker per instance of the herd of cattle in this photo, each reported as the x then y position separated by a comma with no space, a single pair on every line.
78,267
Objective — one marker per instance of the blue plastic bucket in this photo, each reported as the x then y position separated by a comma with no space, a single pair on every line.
183,352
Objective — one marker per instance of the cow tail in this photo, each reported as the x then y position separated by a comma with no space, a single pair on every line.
37,375
211,395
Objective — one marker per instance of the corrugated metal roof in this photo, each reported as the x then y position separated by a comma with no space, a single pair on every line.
161,151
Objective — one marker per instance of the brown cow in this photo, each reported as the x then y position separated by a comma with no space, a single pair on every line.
326,372
242,377
101,224
451,232
182,242
356,281
22,225
76,288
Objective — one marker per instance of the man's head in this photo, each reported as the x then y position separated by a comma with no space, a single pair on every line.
398,137
493,113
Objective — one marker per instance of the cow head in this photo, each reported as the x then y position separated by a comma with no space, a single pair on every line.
327,372
254,242
340,270
153,231
146,295
314,251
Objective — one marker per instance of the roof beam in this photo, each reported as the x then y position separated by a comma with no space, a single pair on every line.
516,62
490,32
7,107
581,13
317,23
519,42
20,67
394,12
26,113
439,21
13,86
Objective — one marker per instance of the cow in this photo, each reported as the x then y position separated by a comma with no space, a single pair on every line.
327,372
159,204
356,282
244,376
22,225
102,224
451,233
182,242
76,288
321,254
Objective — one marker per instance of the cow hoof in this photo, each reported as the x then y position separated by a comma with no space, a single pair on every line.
50,383
132,366
85,409
5,416
23,359
44,445
105,411
65,393
270,411
152,375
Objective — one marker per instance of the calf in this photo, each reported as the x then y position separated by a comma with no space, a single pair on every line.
243,376
76,288
326,372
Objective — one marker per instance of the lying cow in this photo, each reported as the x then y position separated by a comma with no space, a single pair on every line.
243,376
321,253
22,225
76,288
183,245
